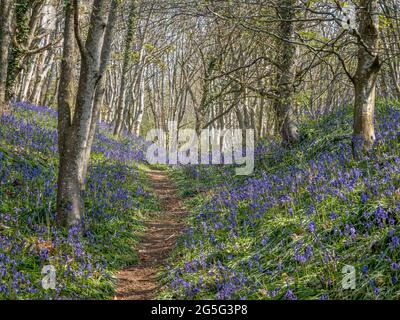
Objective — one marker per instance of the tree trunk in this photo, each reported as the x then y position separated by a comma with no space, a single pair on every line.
68,197
368,66
25,86
283,105
127,53
6,14
139,106
99,95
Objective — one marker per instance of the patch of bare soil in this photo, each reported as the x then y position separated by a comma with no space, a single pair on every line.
139,282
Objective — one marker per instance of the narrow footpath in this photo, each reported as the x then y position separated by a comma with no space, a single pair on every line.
139,282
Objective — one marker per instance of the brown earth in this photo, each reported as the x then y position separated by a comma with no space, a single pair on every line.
139,282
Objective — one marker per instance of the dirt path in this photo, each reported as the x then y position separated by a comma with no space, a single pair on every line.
139,282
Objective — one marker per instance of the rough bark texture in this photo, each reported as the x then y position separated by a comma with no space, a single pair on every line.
75,130
286,58
368,66
6,9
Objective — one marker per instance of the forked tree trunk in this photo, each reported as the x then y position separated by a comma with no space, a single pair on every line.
283,105
75,130
6,14
368,66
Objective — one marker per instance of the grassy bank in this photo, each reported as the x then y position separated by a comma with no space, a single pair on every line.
287,231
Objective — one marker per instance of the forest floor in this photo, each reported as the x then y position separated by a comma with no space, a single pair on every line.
139,282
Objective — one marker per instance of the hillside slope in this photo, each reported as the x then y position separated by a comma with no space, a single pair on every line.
287,231
116,200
